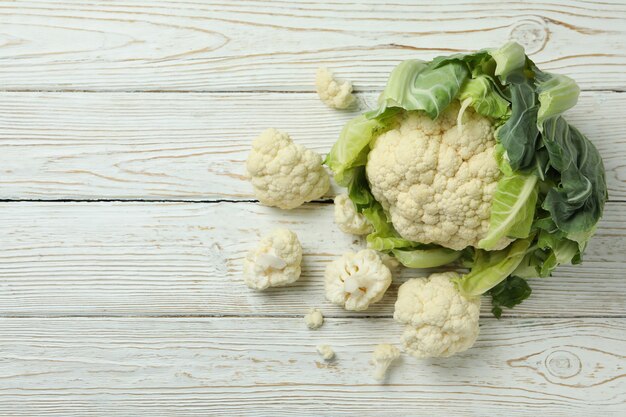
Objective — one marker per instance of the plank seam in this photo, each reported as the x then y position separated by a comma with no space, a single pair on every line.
234,92
215,201
284,316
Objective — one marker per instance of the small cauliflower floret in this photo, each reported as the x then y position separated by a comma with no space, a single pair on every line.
439,320
326,352
347,218
382,358
275,262
435,180
356,280
285,174
314,319
332,93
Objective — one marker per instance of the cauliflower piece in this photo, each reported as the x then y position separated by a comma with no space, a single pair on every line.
285,174
440,321
390,262
326,352
347,218
435,180
275,262
356,280
382,358
314,319
334,94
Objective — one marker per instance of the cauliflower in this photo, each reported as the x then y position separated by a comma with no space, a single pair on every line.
439,320
356,280
436,182
326,352
275,262
382,358
285,174
314,319
347,218
390,262
333,94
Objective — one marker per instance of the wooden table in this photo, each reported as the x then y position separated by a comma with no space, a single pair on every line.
124,127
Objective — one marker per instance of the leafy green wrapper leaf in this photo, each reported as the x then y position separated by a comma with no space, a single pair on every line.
519,134
492,267
415,86
485,97
557,93
426,258
512,210
509,293
577,203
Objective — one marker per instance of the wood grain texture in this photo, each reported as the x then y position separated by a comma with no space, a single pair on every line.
276,45
225,366
194,146
186,259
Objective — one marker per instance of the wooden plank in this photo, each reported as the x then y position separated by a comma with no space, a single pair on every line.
194,146
269,45
185,259
226,367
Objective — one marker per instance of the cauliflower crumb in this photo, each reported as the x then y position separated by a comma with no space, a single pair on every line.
435,180
275,262
382,358
348,219
314,319
285,174
326,352
439,320
332,93
356,280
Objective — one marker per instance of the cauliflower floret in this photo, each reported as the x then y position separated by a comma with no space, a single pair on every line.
437,181
314,319
285,174
440,321
347,218
382,358
332,93
275,262
326,352
356,280
391,262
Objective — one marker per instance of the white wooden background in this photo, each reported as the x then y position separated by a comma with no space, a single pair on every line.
125,215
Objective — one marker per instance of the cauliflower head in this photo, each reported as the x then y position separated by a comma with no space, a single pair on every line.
347,218
356,280
439,320
334,94
285,174
275,262
436,180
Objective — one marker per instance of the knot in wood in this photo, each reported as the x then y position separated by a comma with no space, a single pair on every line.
563,364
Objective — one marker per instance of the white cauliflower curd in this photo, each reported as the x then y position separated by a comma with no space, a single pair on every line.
285,174
439,320
435,180
275,262
334,94
347,218
356,280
